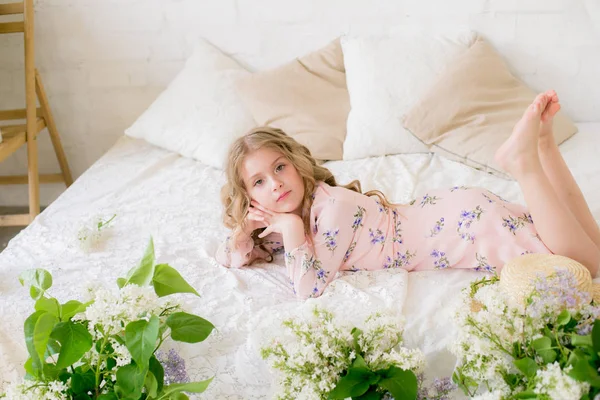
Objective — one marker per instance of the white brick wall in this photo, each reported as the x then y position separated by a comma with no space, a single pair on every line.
104,61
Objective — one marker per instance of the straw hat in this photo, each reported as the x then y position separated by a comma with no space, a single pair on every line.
517,275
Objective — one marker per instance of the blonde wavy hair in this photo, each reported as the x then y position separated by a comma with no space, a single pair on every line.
235,198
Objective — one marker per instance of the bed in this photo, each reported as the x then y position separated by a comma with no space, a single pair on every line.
174,199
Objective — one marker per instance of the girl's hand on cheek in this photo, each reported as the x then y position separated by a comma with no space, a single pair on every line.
253,222
274,221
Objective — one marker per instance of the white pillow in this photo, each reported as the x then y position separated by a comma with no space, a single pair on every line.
386,75
199,114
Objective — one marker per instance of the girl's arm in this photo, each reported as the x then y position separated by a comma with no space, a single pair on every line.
241,252
312,266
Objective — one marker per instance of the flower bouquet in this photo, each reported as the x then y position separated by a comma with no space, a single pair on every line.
107,348
544,347
319,358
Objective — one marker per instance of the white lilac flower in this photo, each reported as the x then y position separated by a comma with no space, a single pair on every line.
493,395
486,335
29,390
113,311
557,385
93,231
120,353
312,353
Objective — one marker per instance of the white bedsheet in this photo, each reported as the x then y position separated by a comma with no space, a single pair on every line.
174,199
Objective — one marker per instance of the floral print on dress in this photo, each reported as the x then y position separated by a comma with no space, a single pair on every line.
514,224
439,225
349,251
382,208
489,199
397,238
289,258
499,197
331,239
459,188
399,261
465,221
358,218
415,237
483,264
310,262
440,259
376,236
427,199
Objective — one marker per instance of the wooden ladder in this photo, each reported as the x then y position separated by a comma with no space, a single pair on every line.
37,119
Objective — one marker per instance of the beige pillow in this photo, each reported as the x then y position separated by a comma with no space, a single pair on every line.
306,98
472,108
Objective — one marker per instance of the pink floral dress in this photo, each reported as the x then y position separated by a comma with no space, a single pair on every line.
460,227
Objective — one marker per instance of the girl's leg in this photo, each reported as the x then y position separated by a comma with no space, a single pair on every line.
557,226
558,172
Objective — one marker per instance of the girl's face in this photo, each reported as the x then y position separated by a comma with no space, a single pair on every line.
273,181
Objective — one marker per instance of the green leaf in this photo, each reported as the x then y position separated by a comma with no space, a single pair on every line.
83,383
143,273
596,336
75,341
542,343
108,396
157,370
192,387
39,279
548,356
82,396
527,366
371,394
51,371
402,384
130,381
584,372
582,341
29,329
178,396
167,280
528,394
29,369
110,363
140,339
356,382
72,308
563,318
50,305
41,334
543,347
151,385
356,335
359,362
188,328
35,292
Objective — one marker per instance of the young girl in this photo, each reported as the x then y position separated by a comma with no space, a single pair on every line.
278,198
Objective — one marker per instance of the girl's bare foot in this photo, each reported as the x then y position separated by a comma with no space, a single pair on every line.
519,153
547,119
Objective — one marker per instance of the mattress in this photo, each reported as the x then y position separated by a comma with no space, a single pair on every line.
175,200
